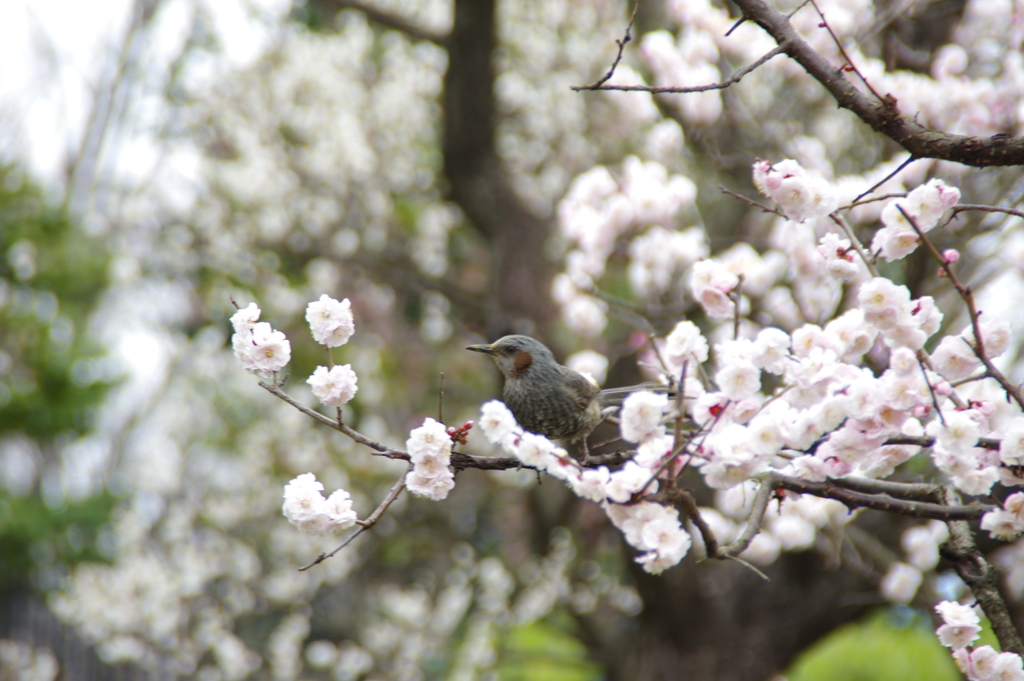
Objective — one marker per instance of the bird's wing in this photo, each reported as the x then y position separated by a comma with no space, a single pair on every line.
580,389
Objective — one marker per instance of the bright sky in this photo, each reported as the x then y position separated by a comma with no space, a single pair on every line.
54,54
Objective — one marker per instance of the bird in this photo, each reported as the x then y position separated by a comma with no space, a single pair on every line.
550,399
545,397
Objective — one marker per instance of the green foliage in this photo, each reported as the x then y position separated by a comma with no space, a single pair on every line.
34,535
51,376
543,651
881,648
51,275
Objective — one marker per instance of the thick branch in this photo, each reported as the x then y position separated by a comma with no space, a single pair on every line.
883,116
386,20
981,577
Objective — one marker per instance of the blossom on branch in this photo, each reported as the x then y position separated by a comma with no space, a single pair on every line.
335,386
430,449
305,507
330,321
260,348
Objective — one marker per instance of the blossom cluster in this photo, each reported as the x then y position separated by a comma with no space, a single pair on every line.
430,450
801,195
650,527
959,629
924,205
260,348
306,508
598,209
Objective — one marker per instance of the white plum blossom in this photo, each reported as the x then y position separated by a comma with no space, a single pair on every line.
640,418
430,448
1011,443
305,507
954,358
260,348
496,421
330,321
1006,523
799,194
838,258
653,528
738,380
900,583
686,344
535,450
335,386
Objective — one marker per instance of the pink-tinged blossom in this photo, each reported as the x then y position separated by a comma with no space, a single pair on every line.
731,457
496,421
954,358
900,583
837,258
335,386
711,284
330,321
960,626
641,414
951,256
257,346
897,239
883,303
244,319
799,194
339,509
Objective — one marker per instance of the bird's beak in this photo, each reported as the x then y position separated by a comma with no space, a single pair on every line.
486,349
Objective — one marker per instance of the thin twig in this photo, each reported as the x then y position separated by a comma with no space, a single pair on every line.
618,57
440,399
968,297
845,226
888,177
751,202
842,50
669,90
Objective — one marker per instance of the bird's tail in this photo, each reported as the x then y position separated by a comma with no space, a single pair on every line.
616,395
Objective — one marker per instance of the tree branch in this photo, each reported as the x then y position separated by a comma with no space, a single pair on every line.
980,576
883,117
387,20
